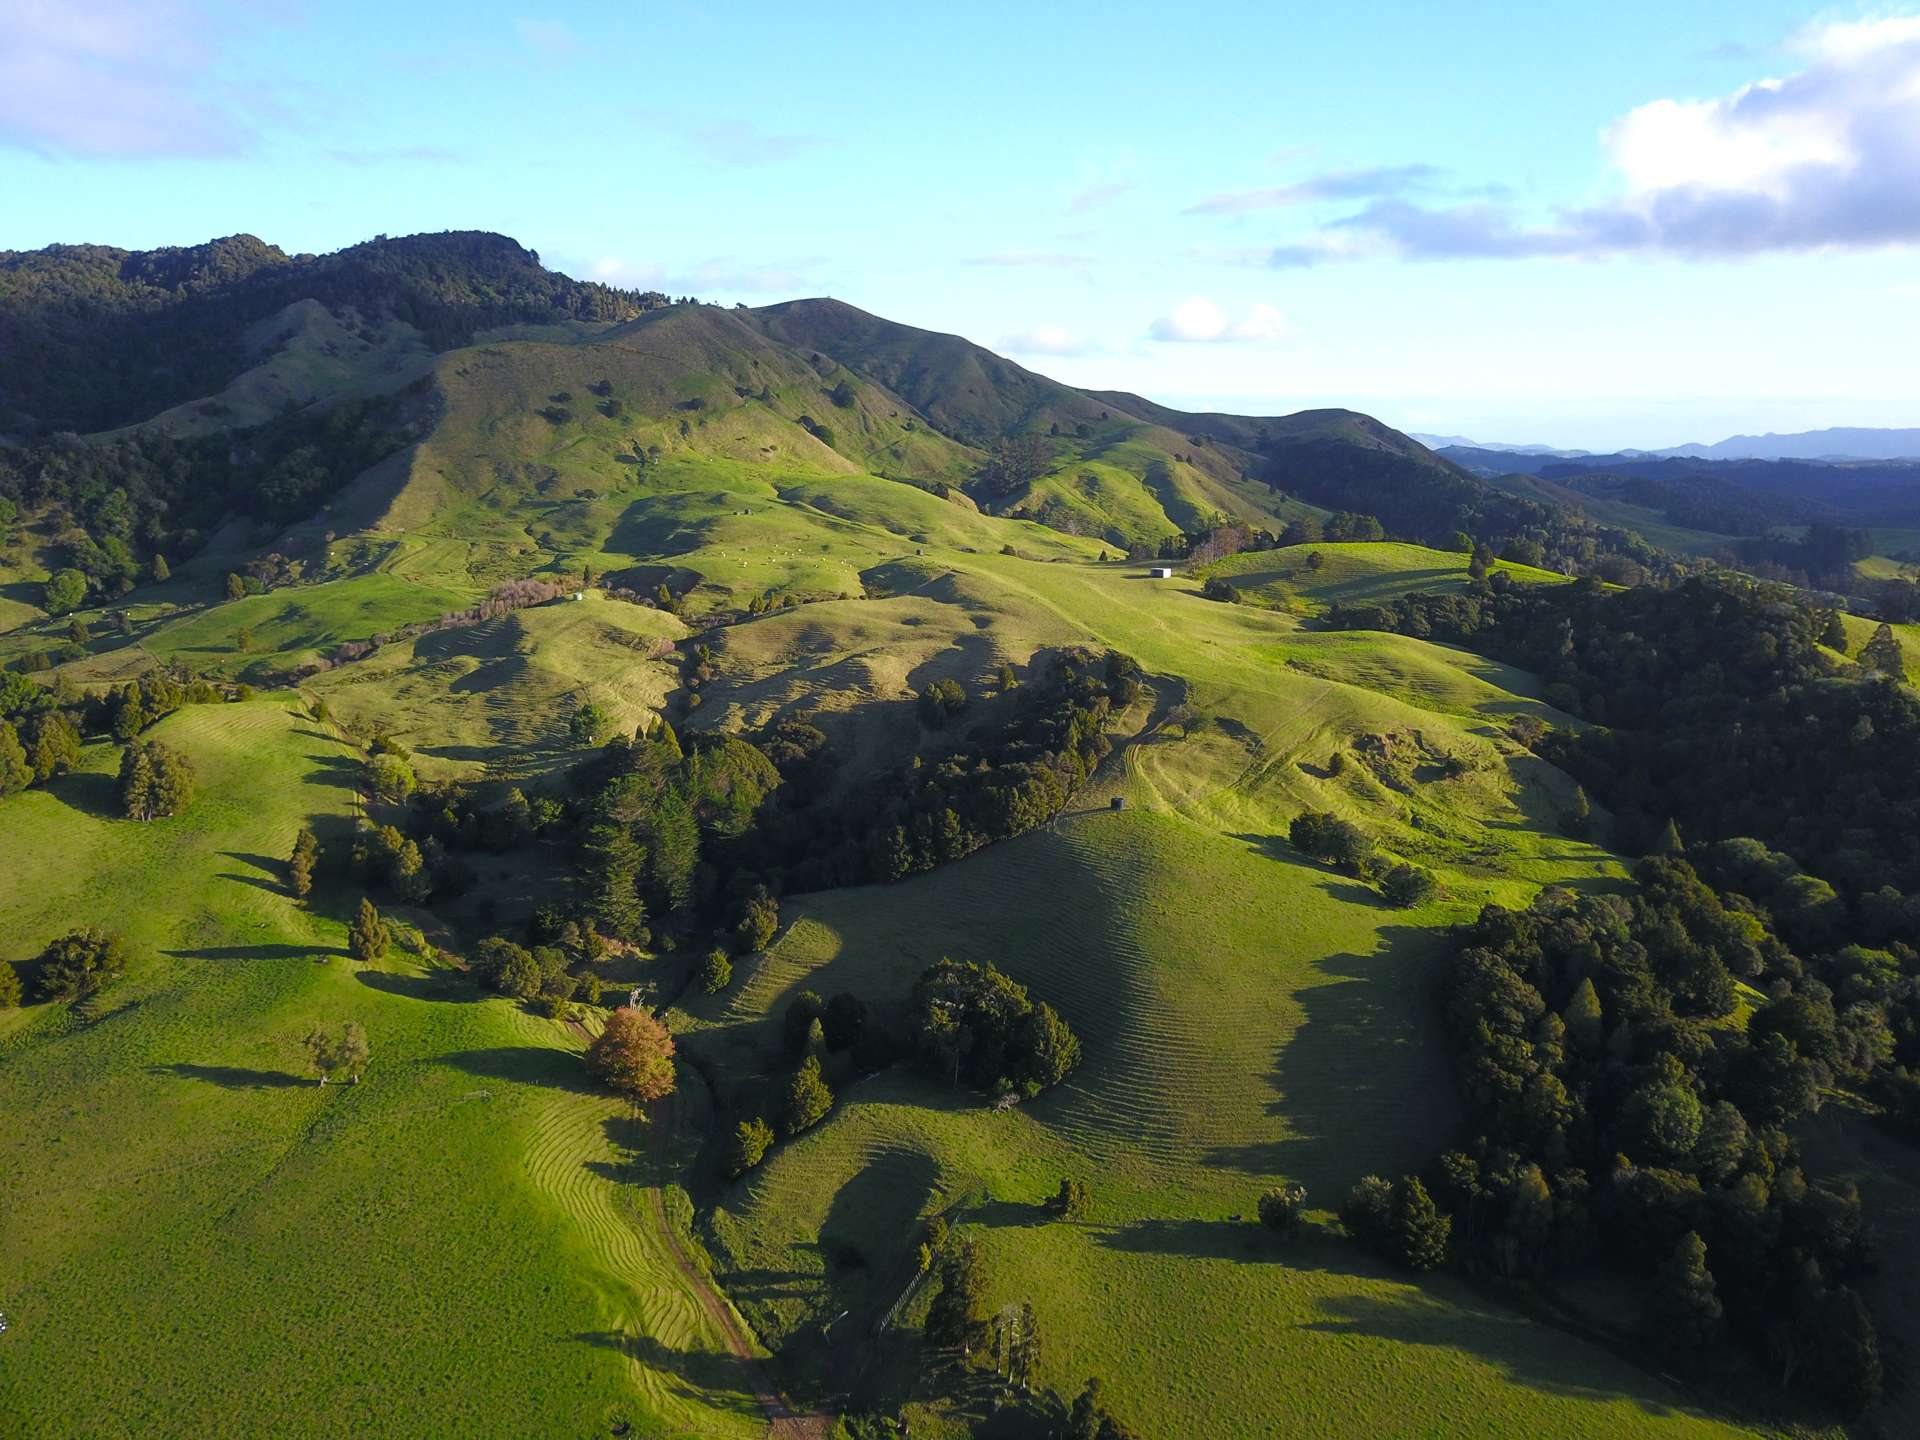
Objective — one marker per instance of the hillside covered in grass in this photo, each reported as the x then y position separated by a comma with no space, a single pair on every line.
736,666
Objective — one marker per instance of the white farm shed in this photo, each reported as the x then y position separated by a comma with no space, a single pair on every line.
1160,572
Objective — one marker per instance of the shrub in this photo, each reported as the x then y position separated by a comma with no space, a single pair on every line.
1282,1208
1071,1201
716,972
748,1146
9,986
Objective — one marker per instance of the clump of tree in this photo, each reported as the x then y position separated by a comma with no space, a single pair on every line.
156,781
1398,1220
1090,1419
1015,462
634,1055
589,724
940,701
1340,843
81,963
1283,1208
1615,1117
971,1024
332,1050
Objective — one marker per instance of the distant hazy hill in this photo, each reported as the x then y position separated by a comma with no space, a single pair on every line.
1836,444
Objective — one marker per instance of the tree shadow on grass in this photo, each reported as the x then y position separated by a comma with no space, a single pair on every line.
1525,1352
1362,1083
89,792
528,1065
274,872
339,771
443,985
710,1379
257,952
1241,1240
873,1225
231,1077
1341,887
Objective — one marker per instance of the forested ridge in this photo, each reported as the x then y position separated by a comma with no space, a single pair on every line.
97,337
1617,1105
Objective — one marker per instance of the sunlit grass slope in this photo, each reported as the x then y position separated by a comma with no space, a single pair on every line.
202,1241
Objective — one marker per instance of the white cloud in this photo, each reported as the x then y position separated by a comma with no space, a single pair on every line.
549,39
1045,340
100,78
1827,157
1095,197
1198,320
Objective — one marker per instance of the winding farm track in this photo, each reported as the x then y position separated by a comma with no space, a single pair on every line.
783,1421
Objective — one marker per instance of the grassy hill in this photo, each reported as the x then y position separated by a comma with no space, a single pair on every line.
180,1163
475,1238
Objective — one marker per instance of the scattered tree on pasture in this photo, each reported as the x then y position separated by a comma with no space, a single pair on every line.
634,1054
748,1146
81,963
807,1099
156,781
368,936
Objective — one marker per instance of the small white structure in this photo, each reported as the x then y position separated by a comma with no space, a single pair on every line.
1160,572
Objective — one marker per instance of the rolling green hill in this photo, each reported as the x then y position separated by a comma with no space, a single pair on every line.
737,520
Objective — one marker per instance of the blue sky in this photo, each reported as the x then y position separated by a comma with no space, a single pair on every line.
1655,224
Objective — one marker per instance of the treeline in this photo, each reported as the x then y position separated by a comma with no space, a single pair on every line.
1619,1116
42,728
991,787
148,495
1791,787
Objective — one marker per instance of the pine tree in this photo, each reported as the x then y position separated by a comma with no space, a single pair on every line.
1834,634
236,587
368,936
1586,1022
306,854
162,572
15,772
1419,1231
1685,1308
9,986
751,1141
807,1099
958,1314
1669,842
1882,654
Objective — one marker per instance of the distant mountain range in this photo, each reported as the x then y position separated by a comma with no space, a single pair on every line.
1842,443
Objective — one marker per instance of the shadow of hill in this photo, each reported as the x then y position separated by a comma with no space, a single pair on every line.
529,1065
231,1077
1508,1341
